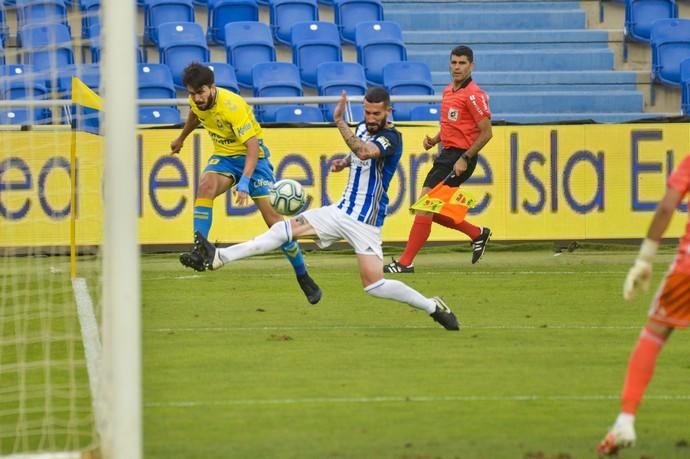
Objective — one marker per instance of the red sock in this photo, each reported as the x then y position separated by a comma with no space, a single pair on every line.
640,369
464,226
419,233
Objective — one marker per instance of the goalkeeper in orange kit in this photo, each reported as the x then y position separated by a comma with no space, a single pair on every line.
670,308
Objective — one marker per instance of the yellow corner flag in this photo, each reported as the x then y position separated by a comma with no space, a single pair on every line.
83,95
446,200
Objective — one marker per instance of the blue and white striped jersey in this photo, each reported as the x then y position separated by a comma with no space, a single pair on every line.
365,196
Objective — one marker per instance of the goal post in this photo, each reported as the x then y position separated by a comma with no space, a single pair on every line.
70,326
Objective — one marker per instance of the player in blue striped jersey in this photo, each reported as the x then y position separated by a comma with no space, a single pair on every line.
375,150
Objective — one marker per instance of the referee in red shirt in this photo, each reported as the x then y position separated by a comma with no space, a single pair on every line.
465,129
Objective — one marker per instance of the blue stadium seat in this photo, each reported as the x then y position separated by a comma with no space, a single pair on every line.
201,2
312,44
425,112
333,77
159,115
180,44
641,14
670,40
157,12
19,81
285,13
222,12
22,116
41,12
224,75
404,79
298,114
248,44
349,13
378,43
685,86
275,79
2,54
90,20
46,46
155,81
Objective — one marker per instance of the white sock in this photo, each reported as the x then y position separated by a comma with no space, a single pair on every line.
277,235
625,418
396,290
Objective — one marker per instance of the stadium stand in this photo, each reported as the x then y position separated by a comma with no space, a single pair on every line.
155,81
275,79
312,44
157,12
536,59
248,44
298,114
285,13
222,12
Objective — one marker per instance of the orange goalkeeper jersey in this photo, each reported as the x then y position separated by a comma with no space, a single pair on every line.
680,180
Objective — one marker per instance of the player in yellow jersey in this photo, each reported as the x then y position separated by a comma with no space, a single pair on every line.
239,159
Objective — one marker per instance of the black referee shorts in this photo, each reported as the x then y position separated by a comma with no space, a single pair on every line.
444,165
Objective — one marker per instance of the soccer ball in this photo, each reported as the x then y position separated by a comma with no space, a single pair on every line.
287,197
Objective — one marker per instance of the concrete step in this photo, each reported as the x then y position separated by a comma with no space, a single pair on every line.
554,118
566,102
607,80
506,39
524,59
479,19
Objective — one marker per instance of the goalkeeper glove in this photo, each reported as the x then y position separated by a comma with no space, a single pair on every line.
243,184
640,274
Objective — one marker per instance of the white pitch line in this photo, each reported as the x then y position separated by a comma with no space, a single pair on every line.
402,327
412,398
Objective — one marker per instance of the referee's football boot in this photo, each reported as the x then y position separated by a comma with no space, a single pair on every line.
479,244
193,260
208,252
443,315
310,289
620,436
395,267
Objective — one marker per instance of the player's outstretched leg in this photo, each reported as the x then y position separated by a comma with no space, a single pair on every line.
443,315
192,260
479,244
309,287
621,435
208,253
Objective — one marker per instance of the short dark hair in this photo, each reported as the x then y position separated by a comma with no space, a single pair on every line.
196,75
377,94
463,51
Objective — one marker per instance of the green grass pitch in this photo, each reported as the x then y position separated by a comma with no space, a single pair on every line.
237,364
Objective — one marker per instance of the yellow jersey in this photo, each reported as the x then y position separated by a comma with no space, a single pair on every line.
230,123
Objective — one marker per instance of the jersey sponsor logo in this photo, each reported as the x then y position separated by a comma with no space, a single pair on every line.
384,142
453,114
473,99
362,163
244,128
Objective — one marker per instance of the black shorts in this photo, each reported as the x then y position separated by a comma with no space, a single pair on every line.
444,165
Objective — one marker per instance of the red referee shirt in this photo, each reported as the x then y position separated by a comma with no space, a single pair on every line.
461,110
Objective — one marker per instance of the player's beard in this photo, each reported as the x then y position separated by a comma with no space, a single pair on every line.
376,127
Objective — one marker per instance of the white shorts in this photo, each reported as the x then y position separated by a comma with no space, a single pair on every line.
332,224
